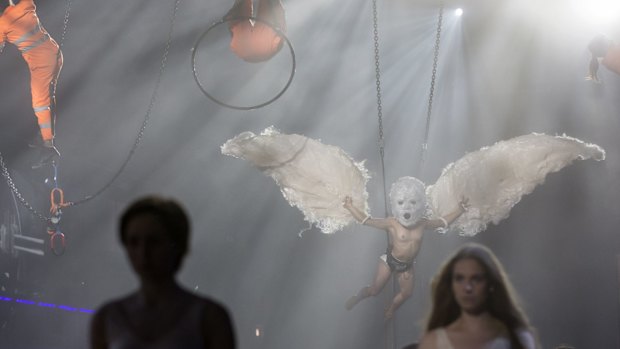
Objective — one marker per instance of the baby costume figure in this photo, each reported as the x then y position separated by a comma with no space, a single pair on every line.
405,228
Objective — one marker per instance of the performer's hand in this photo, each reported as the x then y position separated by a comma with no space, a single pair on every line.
464,203
347,203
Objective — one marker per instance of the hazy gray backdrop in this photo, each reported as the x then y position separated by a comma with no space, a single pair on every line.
507,69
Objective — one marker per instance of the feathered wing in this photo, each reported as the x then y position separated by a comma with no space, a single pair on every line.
312,176
494,178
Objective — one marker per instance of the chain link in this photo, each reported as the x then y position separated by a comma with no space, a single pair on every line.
18,195
378,76
65,24
432,88
381,140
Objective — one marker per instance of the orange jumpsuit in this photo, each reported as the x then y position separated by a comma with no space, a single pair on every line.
255,41
611,60
20,26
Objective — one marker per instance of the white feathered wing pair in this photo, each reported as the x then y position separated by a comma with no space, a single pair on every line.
315,177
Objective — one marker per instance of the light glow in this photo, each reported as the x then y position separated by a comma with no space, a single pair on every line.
597,11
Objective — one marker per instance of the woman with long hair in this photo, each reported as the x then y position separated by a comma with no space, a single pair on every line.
474,305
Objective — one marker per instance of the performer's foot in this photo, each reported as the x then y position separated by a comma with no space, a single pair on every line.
389,313
351,302
49,144
237,10
47,154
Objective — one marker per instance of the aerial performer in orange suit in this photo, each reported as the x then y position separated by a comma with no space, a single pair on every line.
20,26
607,52
255,40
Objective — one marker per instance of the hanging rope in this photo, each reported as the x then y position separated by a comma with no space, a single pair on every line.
139,137
432,89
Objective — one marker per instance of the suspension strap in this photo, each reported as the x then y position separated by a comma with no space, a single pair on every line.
432,89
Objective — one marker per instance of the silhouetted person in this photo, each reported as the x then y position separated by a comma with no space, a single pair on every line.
161,314
473,305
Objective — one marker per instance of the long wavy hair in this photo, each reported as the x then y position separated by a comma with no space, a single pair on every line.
501,300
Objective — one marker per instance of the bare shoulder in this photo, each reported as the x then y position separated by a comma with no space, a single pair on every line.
528,339
217,327
213,308
214,314
98,332
429,340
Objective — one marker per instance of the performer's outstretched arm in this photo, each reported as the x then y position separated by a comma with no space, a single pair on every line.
445,221
362,218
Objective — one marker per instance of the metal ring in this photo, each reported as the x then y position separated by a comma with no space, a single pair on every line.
57,234
226,20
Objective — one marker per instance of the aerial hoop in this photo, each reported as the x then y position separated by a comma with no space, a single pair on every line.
240,107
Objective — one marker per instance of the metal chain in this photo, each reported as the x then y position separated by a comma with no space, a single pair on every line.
16,193
432,88
65,24
381,141
147,115
390,331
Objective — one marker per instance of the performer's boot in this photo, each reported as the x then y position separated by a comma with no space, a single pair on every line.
47,154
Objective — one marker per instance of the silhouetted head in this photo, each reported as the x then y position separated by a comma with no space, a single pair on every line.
599,46
155,233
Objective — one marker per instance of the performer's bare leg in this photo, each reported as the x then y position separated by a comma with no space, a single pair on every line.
381,278
272,11
405,284
241,8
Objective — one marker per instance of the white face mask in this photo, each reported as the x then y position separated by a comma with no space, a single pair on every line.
408,200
